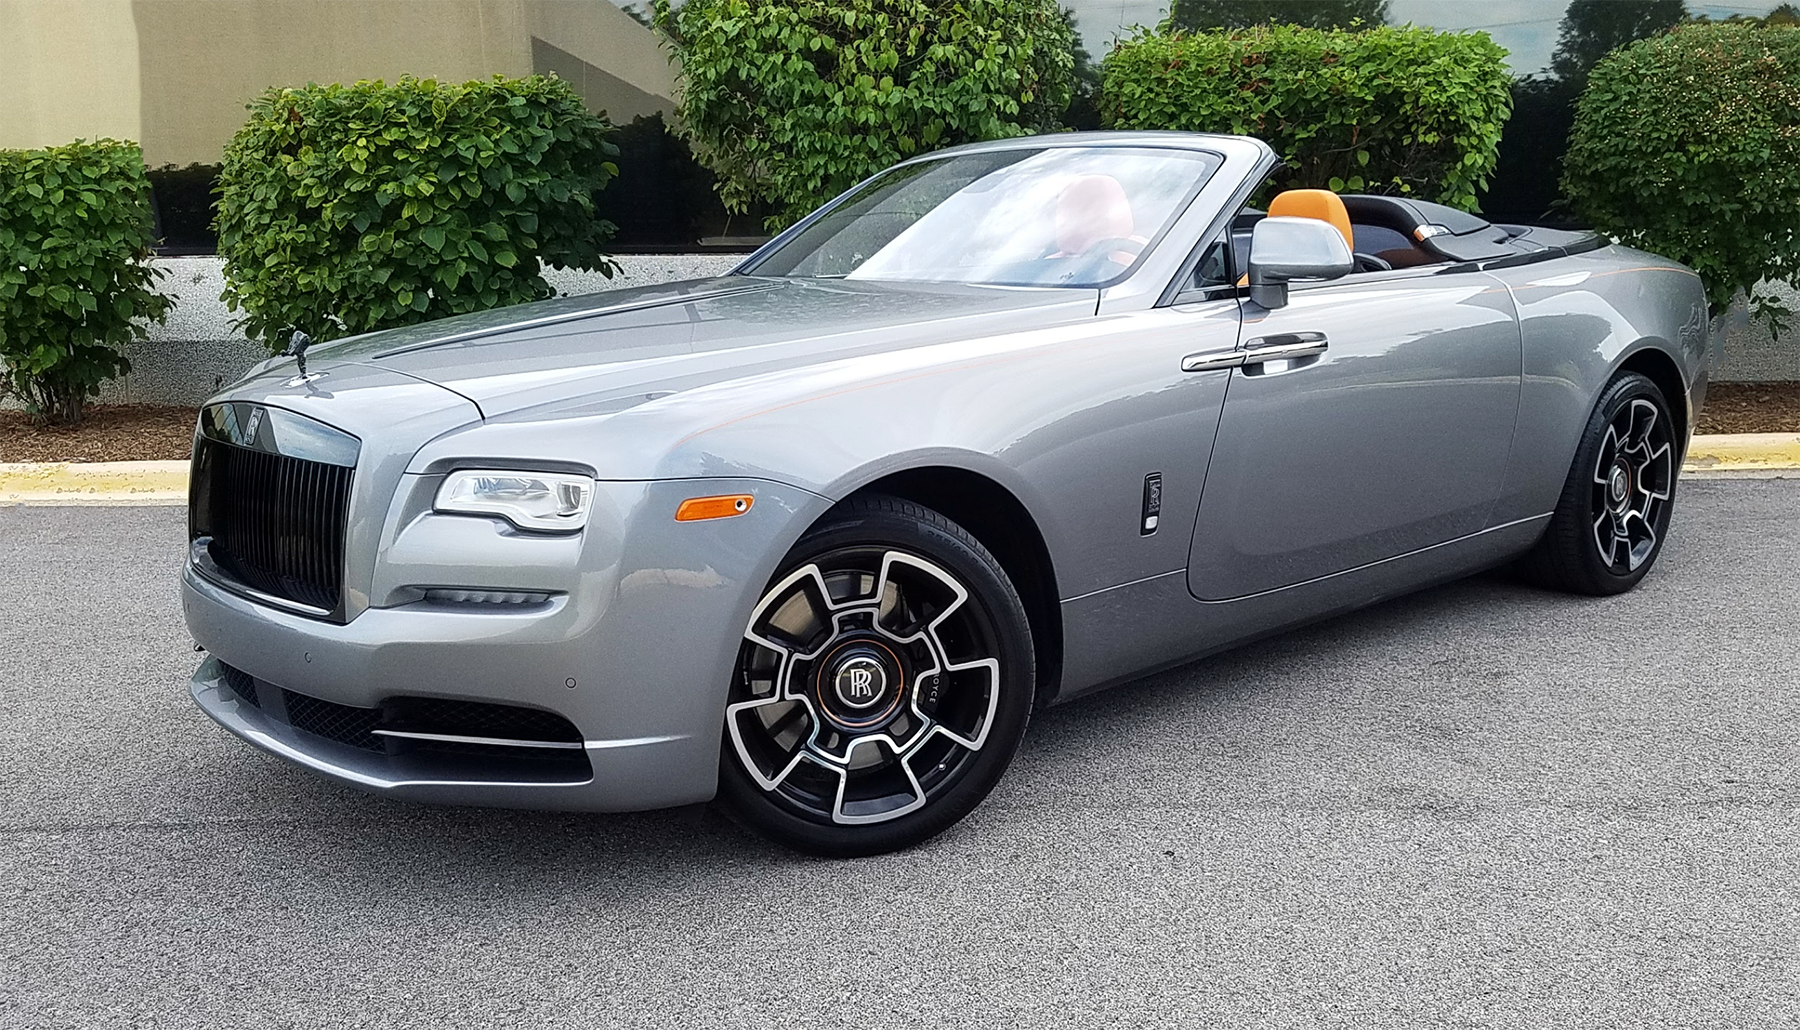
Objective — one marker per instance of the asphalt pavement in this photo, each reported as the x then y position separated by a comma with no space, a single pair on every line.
1482,805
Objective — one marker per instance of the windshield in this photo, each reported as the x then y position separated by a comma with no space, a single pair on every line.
1059,216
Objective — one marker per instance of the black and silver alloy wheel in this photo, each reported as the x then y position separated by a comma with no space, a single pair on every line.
1609,524
882,686
1634,477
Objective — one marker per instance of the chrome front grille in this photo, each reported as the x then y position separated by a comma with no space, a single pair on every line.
270,521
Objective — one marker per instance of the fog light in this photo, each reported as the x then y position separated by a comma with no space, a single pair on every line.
514,598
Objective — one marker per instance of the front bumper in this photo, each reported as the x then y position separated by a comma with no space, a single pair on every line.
617,764
637,655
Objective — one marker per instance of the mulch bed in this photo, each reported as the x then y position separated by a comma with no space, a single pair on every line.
111,432
1751,408
142,432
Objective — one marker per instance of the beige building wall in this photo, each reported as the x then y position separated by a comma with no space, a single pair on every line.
204,60
68,69
176,74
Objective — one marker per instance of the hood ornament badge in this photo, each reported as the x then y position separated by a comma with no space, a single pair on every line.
296,349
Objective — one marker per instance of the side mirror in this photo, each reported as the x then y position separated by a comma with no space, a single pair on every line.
1284,249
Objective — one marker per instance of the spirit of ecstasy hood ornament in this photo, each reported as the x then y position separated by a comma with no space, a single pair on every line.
296,349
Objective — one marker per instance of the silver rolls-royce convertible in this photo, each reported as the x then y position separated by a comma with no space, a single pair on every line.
998,427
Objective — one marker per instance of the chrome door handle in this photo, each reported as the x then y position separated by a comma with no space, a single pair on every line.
1284,347
1280,347
1209,360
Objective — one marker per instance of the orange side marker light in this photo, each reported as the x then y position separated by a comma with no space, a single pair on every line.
696,509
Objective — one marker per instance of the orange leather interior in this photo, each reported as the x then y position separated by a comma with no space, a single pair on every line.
1321,204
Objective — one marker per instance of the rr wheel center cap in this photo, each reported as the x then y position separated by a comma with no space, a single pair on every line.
1618,486
860,684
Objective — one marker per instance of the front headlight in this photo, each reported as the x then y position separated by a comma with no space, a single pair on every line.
553,501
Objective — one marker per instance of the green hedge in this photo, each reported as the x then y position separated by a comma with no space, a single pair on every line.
790,102
75,285
1689,145
1383,110
381,205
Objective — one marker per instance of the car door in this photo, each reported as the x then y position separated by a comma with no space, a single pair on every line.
1384,429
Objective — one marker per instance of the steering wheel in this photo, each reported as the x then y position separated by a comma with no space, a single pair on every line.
1110,246
1088,263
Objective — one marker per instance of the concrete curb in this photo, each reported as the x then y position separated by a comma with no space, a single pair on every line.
1736,455
1744,452
100,482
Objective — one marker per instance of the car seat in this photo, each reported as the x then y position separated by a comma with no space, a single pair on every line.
1327,207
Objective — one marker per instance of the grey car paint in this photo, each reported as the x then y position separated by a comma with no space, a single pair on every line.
1429,440
1394,439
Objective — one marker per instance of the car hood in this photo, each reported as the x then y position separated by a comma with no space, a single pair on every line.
607,352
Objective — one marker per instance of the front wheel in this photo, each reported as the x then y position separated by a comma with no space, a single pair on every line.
1610,522
882,687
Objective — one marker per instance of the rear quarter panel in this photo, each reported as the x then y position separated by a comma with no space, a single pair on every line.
1581,318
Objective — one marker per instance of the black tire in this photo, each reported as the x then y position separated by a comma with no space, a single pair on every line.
882,562
1582,550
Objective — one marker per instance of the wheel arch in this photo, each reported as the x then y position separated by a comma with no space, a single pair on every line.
1648,359
1004,525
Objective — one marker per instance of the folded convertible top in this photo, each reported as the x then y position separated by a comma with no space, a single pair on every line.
1461,236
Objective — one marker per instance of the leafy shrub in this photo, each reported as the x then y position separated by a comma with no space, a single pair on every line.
1383,110
384,205
1689,145
75,285
793,101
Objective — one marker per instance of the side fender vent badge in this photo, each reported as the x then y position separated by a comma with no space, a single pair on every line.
1152,513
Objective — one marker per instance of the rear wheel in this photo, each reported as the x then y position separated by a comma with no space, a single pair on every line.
882,687
1609,524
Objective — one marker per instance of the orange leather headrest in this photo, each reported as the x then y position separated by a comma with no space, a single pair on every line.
1324,205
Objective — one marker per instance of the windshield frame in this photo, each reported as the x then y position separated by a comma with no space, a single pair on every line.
1211,162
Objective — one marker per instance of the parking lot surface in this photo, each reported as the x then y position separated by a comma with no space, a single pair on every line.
1483,805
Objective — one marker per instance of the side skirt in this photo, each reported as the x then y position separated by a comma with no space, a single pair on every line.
1117,635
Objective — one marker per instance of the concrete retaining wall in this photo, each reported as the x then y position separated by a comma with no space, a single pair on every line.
1750,354
198,351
